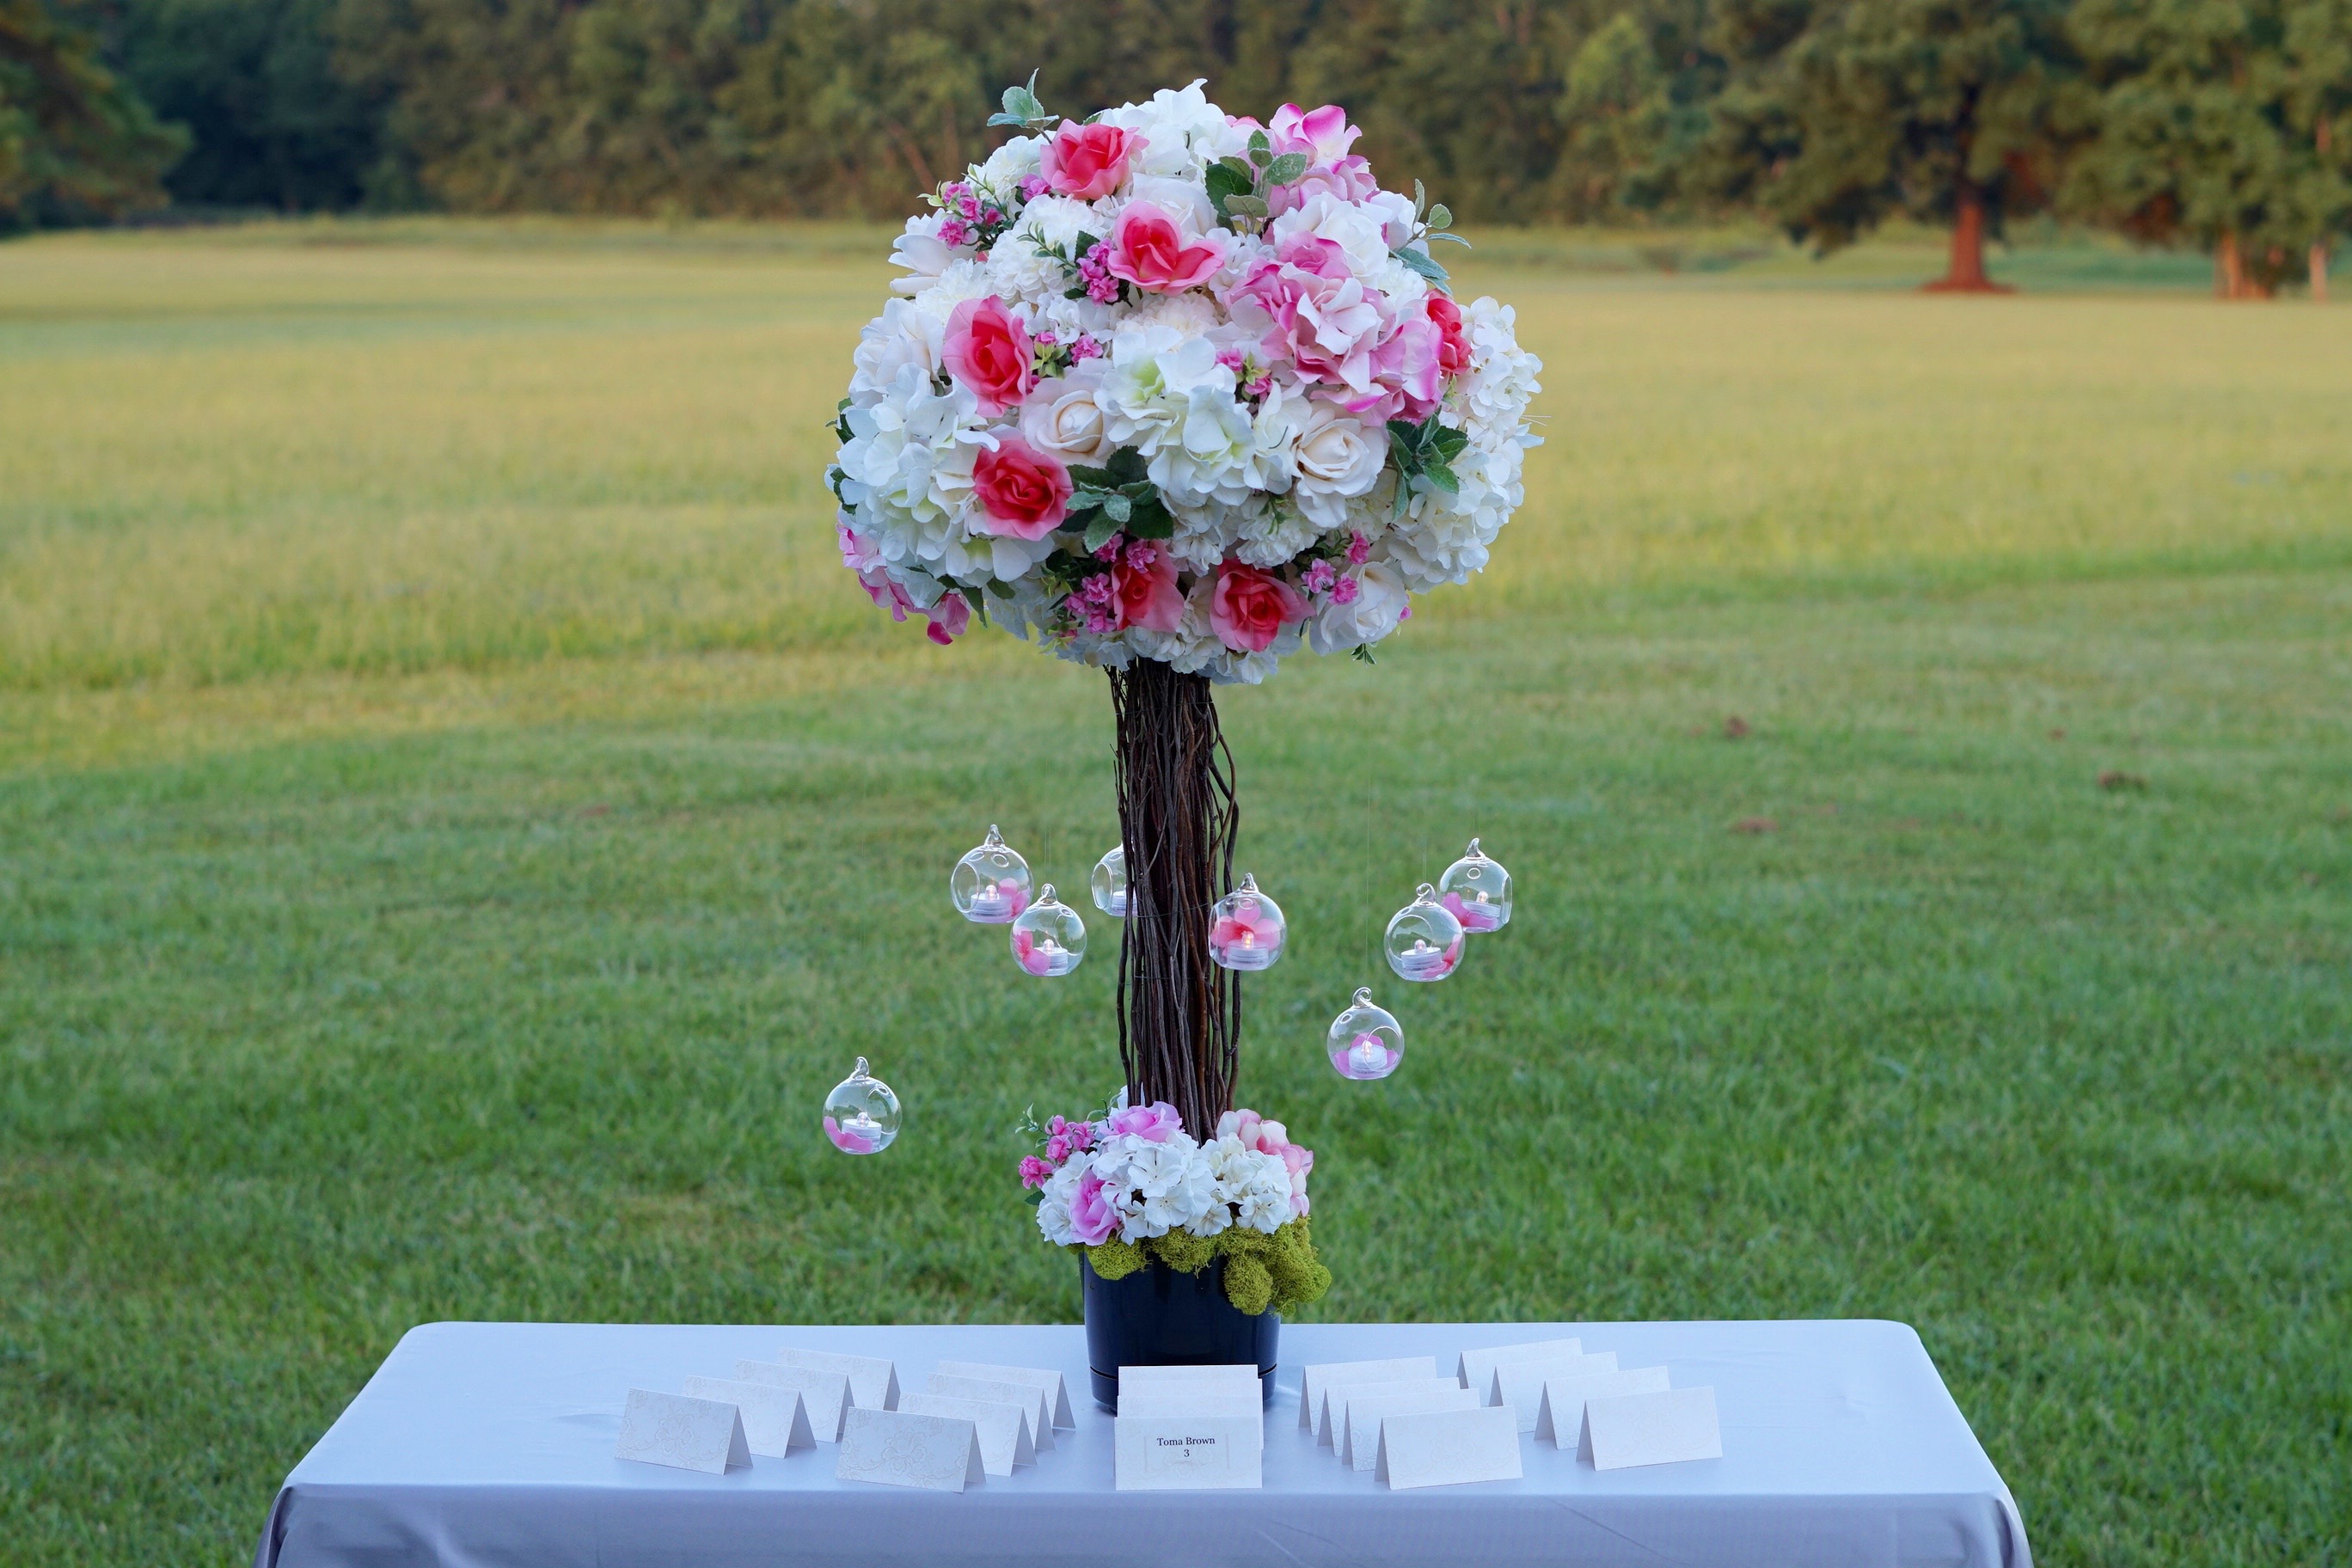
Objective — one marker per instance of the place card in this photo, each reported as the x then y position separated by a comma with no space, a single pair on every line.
1158,1449
775,1422
675,1430
824,1395
1317,1381
1239,1376
1358,1420
1560,1419
1003,1429
1448,1447
1043,1377
1028,1395
1477,1368
1520,1383
901,1448
1663,1428
873,1380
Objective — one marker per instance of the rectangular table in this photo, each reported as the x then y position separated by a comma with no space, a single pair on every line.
490,1446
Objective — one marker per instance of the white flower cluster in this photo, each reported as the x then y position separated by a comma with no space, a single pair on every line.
1174,385
1143,1186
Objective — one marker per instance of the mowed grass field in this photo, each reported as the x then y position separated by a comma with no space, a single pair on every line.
457,821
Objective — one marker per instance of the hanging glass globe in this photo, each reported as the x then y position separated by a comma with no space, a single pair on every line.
1365,1042
1110,883
991,884
861,1115
1048,938
1477,891
1425,940
1247,928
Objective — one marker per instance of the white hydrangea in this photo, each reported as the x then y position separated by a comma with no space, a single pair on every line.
1443,538
1501,381
1182,131
907,466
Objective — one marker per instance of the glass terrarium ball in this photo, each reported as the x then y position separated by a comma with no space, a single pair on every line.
1048,938
991,884
1247,928
1477,890
1425,941
1365,1042
1110,883
861,1115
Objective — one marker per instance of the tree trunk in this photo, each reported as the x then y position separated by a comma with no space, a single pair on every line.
1964,273
1178,1013
2232,279
2319,271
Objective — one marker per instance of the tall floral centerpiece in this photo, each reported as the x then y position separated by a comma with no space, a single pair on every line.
1176,393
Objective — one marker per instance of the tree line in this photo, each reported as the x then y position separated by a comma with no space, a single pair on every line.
2223,124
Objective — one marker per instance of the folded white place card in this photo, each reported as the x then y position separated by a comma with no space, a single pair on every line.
775,1422
1242,1376
824,1395
1028,1395
1560,1419
1043,1377
1176,1451
675,1429
873,1380
1447,1447
1316,1381
899,1448
1477,1368
1520,1383
1659,1429
1358,1420
1003,1429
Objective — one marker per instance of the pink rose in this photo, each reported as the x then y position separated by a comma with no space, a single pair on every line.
949,616
1250,607
1453,353
1153,1123
1149,250
1316,312
1025,493
1087,161
1093,1218
1148,596
987,349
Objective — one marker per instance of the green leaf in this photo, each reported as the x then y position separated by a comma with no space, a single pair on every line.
1225,181
1446,441
1285,168
1117,507
1450,239
1093,480
1001,589
1248,206
1151,519
1036,1196
1420,261
1361,654
1420,199
1127,466
1260,147
1099,532
1440,476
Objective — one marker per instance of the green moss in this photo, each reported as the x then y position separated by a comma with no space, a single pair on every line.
1248,1285
1183,1252
1279,1272
1115,1259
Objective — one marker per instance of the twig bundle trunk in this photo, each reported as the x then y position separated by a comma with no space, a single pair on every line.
1179,1014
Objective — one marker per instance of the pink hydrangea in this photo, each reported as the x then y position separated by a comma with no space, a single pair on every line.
1094,1216
1255,1133
1311,310
1154,1123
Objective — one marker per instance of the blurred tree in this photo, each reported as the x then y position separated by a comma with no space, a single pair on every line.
2319,110
74,143
1633,109
2212,130
271,123
1838,113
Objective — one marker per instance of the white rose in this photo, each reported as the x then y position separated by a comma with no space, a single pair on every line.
901,335
1379,602
1337,457
919,250
1063,417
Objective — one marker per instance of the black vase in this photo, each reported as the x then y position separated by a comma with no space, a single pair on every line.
1157,1317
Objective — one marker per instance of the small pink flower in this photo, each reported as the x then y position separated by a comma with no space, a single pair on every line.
950,617
1093,1216
1318,578
1034,1172
1087,161
1360,549
1032,186
1150,251
1085,347
1153,1123
848,1142
1345,590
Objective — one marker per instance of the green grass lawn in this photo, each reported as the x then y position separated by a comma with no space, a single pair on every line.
456,823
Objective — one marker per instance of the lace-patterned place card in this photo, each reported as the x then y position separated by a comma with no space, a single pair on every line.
899,1448
775,1422
685,1433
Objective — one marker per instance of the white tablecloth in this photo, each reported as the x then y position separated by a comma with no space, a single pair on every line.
490,1446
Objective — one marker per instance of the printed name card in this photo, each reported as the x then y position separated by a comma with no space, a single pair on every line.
1663,1428
901,1448
873,1380
824,1395
1520,1383
1316,1382
1477,1367
1003,1429
1189,1428
677,1430
1058,1391
1448,1447
775,1422
1358,1420
1560,1419
1029,1396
